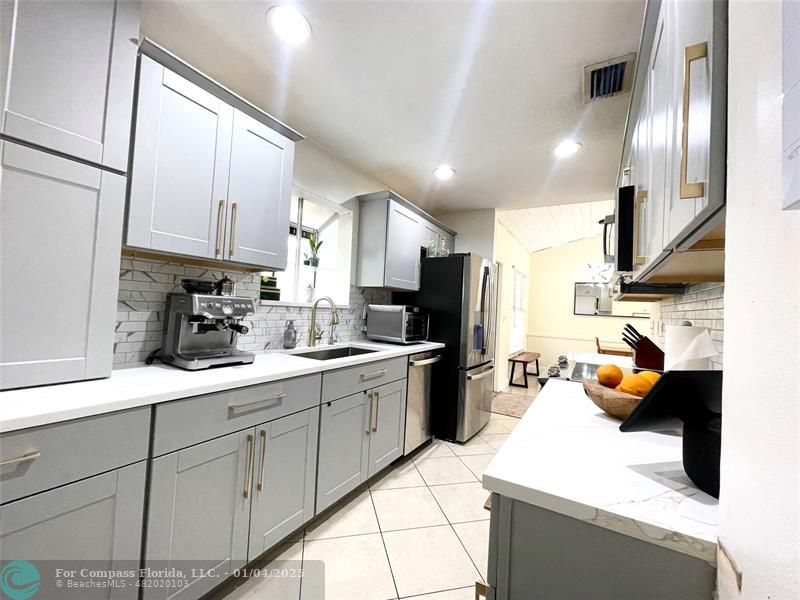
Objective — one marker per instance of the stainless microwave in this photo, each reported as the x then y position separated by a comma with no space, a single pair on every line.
396,323
618,231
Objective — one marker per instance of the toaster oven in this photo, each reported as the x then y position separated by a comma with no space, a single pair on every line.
396,323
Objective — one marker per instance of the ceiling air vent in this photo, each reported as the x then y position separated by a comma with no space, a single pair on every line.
608,78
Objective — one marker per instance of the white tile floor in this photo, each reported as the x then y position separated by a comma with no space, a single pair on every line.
419,531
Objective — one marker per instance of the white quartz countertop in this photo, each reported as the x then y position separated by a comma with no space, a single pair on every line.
567,456
141,386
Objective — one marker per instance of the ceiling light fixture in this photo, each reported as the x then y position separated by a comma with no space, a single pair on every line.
567,148
289,25
444,172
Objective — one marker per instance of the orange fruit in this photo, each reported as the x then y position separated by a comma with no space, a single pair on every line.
635,385
651,376
609,375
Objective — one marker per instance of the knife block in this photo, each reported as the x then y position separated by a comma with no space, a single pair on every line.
648,356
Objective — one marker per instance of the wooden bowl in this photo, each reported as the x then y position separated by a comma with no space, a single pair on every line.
615,404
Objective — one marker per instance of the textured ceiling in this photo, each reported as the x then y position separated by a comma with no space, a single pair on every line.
551,226
398,87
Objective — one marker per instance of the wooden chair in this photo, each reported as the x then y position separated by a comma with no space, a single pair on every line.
615,351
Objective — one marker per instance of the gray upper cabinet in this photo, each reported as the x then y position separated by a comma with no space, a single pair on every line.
199,510
98,519
61,219
207,180
181,160
402,252
343,448
67,76
259,194
387,429
675,142
284,480
392,236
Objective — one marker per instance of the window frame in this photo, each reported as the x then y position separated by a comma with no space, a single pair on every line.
343,212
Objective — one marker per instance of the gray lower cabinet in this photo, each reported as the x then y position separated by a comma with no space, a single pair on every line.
537,554
98,519
199,511
388,425
343,448
62,218
360,435
284,485
221,503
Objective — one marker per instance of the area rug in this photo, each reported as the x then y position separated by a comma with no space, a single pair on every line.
512,405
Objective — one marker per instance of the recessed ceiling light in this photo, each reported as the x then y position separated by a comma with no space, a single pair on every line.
567,148
444,172
289,25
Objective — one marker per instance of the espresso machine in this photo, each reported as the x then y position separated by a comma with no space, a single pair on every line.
201,330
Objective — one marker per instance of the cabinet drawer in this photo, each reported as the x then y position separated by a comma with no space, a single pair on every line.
182,423
352,380
53,455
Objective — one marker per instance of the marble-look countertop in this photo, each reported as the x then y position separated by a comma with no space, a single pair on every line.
142,386
567,456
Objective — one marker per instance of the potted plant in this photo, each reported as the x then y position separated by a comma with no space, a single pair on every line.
314,244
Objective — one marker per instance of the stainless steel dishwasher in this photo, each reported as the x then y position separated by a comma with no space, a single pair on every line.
418,403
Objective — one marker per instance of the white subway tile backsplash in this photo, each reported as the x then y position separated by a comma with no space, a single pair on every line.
702,304
144,285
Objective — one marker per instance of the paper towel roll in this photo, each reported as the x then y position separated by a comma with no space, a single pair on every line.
688,348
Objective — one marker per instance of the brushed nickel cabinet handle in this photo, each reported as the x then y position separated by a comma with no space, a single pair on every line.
377,373
220,217
30,456
369,422
690,54
267,402
377,410
234,214
248,473
260,485
641,200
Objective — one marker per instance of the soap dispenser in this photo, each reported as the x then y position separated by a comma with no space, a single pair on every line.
289,335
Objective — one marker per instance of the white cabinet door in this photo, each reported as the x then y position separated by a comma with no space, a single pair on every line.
181,156
689,24
402,248
259,194
67,75
60,233
660,123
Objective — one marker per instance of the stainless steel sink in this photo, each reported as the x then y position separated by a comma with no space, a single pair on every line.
329,353
584,371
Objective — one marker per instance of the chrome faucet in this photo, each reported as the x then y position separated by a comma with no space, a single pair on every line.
313,336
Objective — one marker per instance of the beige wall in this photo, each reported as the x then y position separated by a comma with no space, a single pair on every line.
510,253
476,230
553,329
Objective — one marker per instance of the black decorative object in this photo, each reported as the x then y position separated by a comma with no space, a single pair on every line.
692,400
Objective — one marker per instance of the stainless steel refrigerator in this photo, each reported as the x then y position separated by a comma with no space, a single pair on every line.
458,291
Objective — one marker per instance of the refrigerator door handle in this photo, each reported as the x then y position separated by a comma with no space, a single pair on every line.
484,316
480,375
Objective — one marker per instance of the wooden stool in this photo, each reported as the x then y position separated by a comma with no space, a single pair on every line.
523,358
